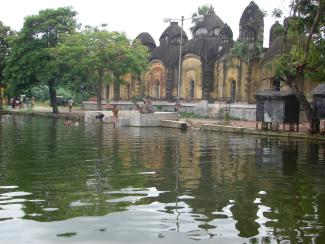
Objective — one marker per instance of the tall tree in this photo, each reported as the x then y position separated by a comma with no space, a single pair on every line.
4,50
305,28
30,60
99,57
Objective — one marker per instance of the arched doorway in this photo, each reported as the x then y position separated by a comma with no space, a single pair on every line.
192,89
157,89
233,91
128,91
275,84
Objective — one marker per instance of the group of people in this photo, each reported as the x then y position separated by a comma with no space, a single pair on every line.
22,102
146,107
69,122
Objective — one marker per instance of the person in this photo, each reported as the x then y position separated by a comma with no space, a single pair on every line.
177,105
24,102
70,102
12,103
17,103
138,107
75,123
33,102
67,123
145,108
100,117
115,114
149,105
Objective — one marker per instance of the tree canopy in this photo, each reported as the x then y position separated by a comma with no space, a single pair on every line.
30,60
305,28
4,50
98,57
4,47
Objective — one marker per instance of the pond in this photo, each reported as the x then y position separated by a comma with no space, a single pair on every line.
98,184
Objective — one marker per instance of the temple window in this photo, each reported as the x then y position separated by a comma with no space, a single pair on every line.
164,40
215,32
201,31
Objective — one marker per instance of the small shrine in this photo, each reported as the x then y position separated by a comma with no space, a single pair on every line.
277,107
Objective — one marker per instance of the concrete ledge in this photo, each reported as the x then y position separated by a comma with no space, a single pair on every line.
296,135
222,128
132,118
234,129
71,116
121,122
174,124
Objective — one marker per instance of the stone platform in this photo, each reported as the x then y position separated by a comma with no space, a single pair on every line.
131,118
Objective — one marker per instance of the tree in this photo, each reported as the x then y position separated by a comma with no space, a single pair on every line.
30,60
305,28
203,10
97,57
4,50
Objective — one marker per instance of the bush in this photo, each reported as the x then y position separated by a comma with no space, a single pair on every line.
41,92
64,92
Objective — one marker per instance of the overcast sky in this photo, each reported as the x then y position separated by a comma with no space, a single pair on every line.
136,16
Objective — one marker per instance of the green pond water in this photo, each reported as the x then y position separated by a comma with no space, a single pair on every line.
98,184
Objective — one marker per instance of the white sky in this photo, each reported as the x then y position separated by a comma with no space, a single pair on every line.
136,16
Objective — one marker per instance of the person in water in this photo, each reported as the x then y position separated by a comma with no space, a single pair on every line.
115,114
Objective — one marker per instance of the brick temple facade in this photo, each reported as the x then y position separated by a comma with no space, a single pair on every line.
210,68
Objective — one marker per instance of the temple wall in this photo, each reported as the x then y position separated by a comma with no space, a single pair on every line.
191,84
229,72
155,81
267,71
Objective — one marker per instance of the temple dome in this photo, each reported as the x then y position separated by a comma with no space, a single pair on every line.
275,31
210,25
168,54
251,15
205,47
251,25
226,35
171,36
276,49
146,39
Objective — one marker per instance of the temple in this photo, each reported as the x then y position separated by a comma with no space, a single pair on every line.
213,66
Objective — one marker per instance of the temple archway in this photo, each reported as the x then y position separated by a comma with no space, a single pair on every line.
157,89
156,81
233,91
192,89
191,85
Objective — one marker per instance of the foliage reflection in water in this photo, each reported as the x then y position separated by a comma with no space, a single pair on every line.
98,184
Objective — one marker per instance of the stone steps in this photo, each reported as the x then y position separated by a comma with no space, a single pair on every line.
174,124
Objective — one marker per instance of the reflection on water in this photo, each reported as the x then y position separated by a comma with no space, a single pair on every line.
98,184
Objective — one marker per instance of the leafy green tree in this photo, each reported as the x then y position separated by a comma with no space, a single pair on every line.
41,92
305,29
4,49
202,10
31,60
97,57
